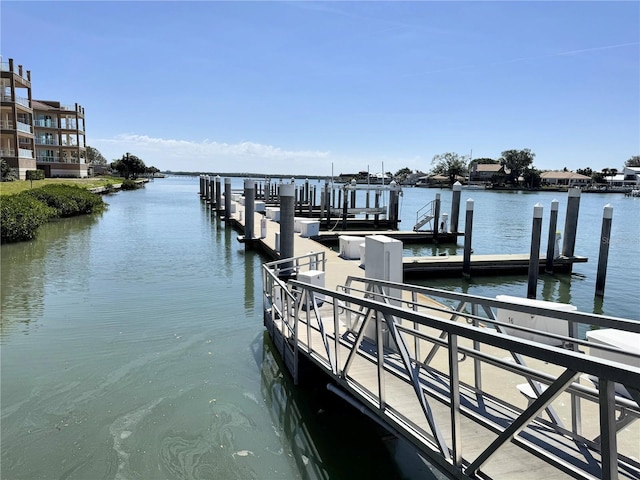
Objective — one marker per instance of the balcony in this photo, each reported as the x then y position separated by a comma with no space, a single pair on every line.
24,127
45,123
6,125
47,159
47,141
25,153
19,100
7,152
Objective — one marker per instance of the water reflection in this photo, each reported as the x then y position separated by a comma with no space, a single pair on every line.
28,266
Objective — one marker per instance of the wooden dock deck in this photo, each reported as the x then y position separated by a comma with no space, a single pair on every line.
423,374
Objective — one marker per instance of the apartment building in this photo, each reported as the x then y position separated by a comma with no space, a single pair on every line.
42,134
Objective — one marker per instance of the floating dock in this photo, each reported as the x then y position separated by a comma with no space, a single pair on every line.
458,376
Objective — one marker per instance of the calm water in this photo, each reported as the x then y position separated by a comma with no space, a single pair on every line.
132,344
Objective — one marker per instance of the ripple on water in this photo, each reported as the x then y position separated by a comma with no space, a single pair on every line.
212,454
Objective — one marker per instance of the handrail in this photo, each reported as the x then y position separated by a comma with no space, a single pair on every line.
423,214
364,317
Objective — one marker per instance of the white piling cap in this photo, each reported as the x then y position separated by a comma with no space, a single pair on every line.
287,190
457,187
217,177
537,210
608,211
574,192
469,203
227,180
249,183
554,205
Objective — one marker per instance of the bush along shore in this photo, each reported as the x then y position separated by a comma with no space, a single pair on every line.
22,214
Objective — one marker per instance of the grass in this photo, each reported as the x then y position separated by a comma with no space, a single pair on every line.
10,188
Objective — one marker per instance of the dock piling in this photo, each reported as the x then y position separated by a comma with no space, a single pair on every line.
571,223
436,219
551,238
534,256
287,214
603,255
249,208
455,206
227,199
218,194
468,228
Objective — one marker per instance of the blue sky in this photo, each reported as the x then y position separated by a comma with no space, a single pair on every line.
307,87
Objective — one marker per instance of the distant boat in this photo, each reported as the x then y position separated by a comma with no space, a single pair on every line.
474,186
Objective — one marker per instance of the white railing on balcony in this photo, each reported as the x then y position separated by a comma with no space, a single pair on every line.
7,152
46,141
25,153
24,127
4,66
23,101
47,123
69,143
68,107
6,124
48,159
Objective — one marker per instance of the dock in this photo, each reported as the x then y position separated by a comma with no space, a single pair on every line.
478,394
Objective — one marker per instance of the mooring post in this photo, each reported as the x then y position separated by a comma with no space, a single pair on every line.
353,193
436,219
345,207
534,255
468,229
218,194
287,213
209,189
394,202
376,217
571,223
327,202
227,199
551,238
249,208
603,256
201,185
306,190
455,207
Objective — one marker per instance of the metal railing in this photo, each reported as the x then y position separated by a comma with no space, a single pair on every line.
47,159
441,346
7,152
425,215
25,153
46,123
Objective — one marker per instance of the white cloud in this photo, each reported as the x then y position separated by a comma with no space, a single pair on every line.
173,154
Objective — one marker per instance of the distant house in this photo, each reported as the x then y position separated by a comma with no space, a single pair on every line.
569,179
631,176
483,172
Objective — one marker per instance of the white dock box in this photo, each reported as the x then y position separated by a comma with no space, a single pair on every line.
315,278
627,342
297,224
535,322
362,254
309,228
273,213
349,246
259,206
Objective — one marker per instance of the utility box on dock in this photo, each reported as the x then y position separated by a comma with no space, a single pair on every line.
309,228
536,322
259,206
384,262
315,278
349,247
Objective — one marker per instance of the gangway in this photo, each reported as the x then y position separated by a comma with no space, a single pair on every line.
425,215
438,368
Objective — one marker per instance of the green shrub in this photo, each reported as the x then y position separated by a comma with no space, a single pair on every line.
68,200
20,217
129,185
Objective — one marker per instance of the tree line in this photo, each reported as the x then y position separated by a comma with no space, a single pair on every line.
517,168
